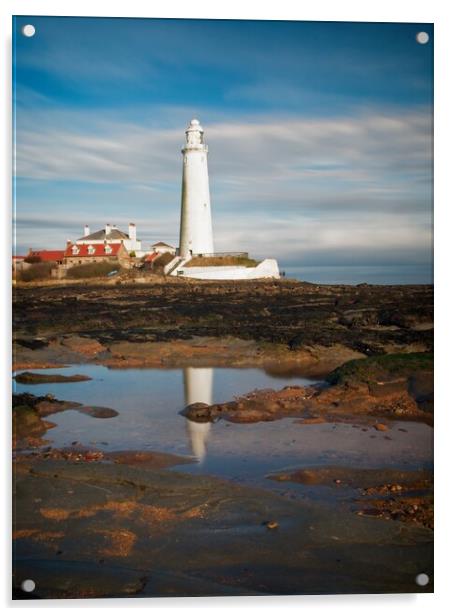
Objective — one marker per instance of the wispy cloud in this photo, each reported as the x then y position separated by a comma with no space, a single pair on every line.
347,148
295,188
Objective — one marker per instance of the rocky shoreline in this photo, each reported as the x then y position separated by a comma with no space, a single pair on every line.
125,523
280,324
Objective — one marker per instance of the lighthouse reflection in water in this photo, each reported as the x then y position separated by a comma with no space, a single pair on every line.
198,384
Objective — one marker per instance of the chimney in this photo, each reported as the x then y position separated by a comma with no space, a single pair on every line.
132,231
107,228
86,231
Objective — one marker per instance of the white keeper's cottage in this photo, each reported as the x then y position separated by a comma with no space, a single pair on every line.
111,235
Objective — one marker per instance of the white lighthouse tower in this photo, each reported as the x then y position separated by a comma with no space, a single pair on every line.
196,236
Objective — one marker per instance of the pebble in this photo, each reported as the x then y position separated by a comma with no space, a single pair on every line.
271,525
373,512
396,488
381,427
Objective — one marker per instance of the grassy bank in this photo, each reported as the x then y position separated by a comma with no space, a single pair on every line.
218,261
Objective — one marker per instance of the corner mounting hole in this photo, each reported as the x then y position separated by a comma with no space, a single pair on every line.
28,585
28,30
422,38
422,579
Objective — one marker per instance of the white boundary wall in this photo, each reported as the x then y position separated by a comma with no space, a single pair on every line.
268,268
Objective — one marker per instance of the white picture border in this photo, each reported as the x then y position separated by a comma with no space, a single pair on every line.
436,11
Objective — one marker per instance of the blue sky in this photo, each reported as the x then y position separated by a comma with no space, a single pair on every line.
319,134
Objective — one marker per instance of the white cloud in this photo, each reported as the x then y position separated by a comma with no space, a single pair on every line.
284,186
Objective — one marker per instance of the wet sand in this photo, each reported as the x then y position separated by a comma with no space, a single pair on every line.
141,532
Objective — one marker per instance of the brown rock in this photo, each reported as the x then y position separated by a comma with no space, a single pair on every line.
311,420
250,416
198,411
99,412
85,346
32,378
47,406
147,459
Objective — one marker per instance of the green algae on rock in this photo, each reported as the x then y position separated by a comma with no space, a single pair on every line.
381,368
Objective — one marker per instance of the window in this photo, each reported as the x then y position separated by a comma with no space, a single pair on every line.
75,250
107,249
91,249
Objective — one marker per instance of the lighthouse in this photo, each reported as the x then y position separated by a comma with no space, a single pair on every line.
196,237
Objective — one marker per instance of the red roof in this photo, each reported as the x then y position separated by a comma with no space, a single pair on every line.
97,250
151,257
47,255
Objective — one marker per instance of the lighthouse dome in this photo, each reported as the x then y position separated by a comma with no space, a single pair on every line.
195,126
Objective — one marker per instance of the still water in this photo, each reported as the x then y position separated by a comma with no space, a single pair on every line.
149,402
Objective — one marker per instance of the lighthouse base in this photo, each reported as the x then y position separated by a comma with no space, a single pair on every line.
268,268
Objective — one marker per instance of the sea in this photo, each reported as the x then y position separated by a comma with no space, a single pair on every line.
358,274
